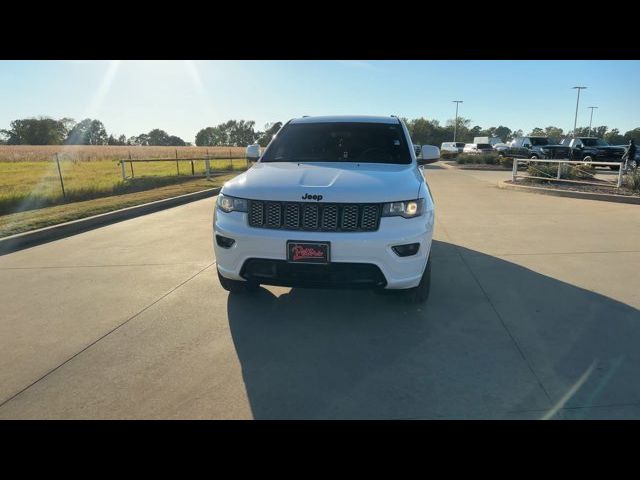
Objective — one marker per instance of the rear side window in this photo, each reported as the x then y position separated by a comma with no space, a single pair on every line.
339,142
484,145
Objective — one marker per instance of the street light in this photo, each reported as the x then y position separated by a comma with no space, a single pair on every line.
575,121
455,125
591,119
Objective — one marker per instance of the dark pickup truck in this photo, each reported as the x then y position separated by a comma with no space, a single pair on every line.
591,149
535,147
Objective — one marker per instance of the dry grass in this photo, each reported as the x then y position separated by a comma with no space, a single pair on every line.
46,153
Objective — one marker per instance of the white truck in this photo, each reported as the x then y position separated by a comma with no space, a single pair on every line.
333,202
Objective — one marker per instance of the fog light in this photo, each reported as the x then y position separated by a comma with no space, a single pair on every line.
225,242
406,250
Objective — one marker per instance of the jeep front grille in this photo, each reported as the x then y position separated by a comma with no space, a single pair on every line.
328,217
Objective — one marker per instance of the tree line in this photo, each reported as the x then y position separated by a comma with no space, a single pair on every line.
47,131
66,131
431,132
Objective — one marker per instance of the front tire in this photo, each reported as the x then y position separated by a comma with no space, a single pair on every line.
534,157
237,286
420,294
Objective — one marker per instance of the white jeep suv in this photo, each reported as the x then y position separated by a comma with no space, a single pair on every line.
337,202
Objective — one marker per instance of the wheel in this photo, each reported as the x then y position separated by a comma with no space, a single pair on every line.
420,294
534,157
501,154
588,158
237,286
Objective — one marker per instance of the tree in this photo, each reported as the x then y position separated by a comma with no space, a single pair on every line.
613,137
632,134
554,132
175,141
158,137
537,132
270,130
231,133
88,132
35,131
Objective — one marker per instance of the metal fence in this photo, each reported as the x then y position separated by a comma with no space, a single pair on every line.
541,175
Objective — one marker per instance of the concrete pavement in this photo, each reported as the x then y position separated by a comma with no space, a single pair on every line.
533,314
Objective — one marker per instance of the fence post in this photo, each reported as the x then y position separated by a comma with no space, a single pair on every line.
620,176
124,172
514,172
560,166
64,195
206,165
131,165
193,172
177,165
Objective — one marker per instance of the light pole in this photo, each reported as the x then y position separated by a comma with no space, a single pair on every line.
575,121
455,125
591,119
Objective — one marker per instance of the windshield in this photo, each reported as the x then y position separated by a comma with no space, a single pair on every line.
594,142
339,142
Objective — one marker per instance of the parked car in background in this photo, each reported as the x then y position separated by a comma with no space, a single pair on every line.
592,149
536,147
452,147
477,148
499,147
490,140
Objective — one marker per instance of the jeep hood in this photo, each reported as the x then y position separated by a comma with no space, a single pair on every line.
344,182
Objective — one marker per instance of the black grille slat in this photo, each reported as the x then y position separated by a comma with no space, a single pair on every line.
328,217
310,216
349,219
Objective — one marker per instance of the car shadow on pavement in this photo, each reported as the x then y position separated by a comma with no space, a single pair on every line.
494,340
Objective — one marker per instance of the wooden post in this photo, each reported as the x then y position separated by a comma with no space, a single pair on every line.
207,166
124,172
193,172
177,165
131,164
64,195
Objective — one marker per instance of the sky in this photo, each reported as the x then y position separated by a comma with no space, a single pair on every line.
181,97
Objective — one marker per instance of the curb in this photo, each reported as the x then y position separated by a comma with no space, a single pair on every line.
607,197
32,238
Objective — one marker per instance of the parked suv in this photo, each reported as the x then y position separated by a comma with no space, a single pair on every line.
337,202
536,147
452,147
592,149
477,148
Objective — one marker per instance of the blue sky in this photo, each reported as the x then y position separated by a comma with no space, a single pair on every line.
132,97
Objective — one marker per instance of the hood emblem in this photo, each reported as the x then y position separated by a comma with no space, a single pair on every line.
307,196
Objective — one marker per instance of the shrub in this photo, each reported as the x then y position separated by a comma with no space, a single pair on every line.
482,159
506,162
632,181
580,172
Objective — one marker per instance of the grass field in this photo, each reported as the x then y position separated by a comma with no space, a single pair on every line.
31,184
29,220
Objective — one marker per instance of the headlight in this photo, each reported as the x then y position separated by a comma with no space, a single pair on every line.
406,209
231,204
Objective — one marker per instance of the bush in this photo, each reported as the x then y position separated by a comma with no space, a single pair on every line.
482,159
632,181
582,172
506,162
550,170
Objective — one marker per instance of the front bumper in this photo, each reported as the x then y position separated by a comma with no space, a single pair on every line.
372,248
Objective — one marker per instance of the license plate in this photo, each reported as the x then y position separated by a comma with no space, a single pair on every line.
308,252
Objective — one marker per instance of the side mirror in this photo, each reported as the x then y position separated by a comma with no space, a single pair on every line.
253,152
428,154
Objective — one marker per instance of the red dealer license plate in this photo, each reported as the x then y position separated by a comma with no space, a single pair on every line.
308,252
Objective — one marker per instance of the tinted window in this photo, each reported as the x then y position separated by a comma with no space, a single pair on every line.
339,142
484,145
460,145
539,141
594,142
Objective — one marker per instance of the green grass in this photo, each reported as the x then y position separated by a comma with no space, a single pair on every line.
29,220
28,185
